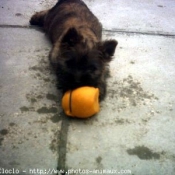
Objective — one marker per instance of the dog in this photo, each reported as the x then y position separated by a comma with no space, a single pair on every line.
78,56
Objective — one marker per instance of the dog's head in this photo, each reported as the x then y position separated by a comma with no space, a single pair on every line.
81,65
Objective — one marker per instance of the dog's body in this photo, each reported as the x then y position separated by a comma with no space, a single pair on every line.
78,55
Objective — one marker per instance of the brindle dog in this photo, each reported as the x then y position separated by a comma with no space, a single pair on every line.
79,56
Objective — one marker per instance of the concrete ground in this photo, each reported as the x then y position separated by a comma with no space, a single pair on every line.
134,131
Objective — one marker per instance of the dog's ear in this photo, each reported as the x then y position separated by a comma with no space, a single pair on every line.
71,38
108,49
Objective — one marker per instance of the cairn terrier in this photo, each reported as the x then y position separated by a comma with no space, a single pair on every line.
79,56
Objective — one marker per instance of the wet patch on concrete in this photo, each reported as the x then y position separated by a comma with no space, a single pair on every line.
24,109
144,153
132,62
46,110
52,97
121,121
129,93
16,136
18,14
34,97
37,103
161,6
99,162
55,118
4,132
43,70
131,90
39,100
99,159
1,140
12,124
112,122
8,135
41,107
54,145
55,142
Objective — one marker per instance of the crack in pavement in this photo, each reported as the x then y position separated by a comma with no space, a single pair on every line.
116,30
152,33
62,147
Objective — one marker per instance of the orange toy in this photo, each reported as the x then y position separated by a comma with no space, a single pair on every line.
81,102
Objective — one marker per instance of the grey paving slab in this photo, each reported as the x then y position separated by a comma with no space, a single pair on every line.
29,108
150,16
19,12
142,16
134,130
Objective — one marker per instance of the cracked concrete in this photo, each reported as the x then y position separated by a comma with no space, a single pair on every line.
134,131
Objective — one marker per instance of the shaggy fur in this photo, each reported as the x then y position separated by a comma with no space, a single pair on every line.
78,55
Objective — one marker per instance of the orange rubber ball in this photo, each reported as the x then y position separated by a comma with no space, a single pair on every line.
82,102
